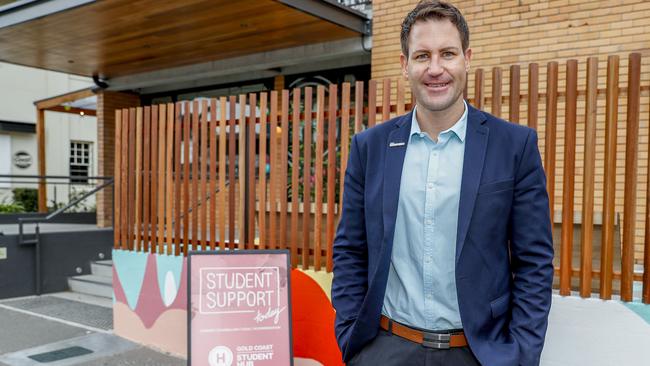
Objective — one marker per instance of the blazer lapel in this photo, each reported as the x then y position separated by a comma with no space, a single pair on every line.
396,145
475,148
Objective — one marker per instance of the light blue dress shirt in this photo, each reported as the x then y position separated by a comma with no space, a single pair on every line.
421,289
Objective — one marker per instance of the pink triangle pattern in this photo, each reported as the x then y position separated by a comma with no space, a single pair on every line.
150,305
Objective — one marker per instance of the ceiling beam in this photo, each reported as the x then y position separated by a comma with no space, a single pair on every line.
72,110
64,98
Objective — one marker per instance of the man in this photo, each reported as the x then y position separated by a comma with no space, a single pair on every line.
443,255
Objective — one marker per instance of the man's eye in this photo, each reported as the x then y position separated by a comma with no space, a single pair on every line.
422,56
448,54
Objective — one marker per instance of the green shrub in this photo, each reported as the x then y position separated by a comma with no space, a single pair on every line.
27,198
11,207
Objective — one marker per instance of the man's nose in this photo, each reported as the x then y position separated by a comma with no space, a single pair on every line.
435,67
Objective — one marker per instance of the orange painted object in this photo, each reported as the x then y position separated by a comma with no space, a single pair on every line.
313,321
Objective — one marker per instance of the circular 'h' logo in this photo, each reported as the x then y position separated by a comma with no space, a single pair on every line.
220,356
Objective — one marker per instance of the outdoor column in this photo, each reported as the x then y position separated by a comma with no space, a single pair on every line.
278,82
107,103
40,138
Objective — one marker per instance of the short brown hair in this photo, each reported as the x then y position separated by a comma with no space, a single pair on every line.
428,9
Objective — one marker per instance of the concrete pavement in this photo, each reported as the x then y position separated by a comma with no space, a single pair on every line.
35,331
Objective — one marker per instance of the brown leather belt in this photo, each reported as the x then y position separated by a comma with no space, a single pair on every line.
427,339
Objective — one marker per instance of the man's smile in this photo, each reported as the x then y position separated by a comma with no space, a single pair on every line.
437,86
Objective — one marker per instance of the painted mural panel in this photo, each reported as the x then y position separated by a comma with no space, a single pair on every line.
150,307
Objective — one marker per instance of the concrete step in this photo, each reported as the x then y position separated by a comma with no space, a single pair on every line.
85,298
95,285
102,268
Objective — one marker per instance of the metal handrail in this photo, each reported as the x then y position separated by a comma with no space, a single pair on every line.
36,178
70,204
52,177
37,220
24,220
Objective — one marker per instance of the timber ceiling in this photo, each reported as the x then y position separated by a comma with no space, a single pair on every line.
123,37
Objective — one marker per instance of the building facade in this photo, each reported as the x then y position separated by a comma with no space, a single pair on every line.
71,140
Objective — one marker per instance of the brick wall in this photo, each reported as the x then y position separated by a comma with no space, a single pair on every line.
524,31
504,33
107,103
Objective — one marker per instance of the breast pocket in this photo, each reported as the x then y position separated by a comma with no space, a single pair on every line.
493,203
493,187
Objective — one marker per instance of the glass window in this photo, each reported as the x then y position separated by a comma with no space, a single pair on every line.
80,161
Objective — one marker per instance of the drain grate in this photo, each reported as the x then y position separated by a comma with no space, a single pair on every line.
74,311
60,354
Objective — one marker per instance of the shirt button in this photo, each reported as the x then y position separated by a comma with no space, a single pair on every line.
430,185
429,222
427,260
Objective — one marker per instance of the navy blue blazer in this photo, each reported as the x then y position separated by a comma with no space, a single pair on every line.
504,248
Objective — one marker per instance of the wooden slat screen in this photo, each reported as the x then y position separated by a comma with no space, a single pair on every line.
295,177
589,164
186,207
282,168
566,245
250,177
318,177
332,163
306,176
266,170
212,176
550,154
609,189
194,177
533,97
513,104
262,173
117,176
146,173
203,198
131,184
631,166
151,201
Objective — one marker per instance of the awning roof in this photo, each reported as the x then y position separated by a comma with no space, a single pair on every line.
82,101
123,37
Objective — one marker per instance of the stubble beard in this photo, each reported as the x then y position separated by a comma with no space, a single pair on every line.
424,101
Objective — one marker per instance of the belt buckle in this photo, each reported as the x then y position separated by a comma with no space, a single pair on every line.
436,340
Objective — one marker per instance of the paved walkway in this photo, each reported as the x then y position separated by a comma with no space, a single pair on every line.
75,331
55,331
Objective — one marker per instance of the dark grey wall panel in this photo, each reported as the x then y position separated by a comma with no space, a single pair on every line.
61,255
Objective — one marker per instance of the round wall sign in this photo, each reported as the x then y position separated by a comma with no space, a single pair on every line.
22,160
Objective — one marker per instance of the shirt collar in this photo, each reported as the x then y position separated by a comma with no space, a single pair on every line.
459,128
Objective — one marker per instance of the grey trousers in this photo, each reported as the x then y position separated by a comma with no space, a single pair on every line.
391,350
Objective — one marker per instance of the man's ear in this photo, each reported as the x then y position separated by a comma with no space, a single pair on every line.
403,60
468,57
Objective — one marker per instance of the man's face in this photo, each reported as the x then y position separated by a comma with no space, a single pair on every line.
436,65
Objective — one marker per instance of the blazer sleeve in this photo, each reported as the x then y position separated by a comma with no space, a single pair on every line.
350,251
531,247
